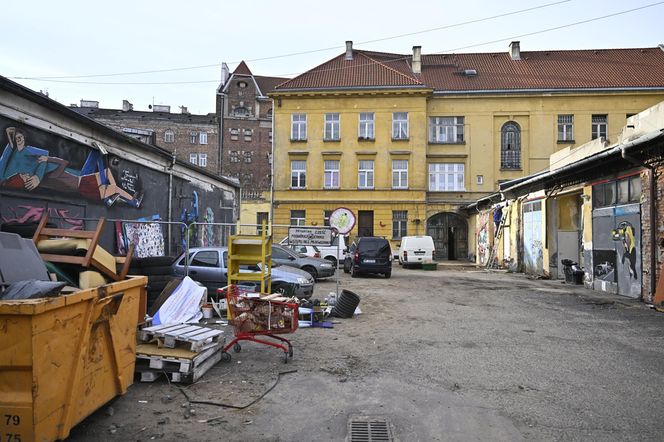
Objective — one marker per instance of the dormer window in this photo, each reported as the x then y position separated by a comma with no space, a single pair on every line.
242,84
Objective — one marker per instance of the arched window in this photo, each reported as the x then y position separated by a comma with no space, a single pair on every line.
241,111
510,146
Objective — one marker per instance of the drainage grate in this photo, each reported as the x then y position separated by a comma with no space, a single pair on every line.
369,430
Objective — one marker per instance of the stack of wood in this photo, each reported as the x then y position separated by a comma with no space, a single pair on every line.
262,314
181,352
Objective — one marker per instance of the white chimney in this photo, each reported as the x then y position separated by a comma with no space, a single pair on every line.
225,73
417,60
184,110
349,50
127,106
90,103
515,50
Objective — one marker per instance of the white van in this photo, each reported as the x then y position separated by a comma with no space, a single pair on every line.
414,250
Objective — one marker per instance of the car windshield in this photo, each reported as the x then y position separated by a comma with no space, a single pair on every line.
374,247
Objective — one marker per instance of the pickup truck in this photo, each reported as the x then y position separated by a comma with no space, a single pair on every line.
209,266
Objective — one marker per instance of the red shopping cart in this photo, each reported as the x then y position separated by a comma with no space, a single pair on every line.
252,317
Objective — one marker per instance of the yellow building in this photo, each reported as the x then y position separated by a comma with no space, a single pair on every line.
405,141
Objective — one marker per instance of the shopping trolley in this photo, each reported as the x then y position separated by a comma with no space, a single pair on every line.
252,317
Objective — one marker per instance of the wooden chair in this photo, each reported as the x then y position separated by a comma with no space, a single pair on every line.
95,257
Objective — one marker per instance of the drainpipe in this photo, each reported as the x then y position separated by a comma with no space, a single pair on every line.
653,216
271,219
170,203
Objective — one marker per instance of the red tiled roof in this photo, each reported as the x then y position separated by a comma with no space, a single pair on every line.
566,69
267,84
242,69
366,69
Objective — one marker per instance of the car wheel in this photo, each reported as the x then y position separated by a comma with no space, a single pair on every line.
353,272
312,271
332,260
346,268
388,274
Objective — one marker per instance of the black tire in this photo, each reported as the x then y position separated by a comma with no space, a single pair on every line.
237,348
157,271
333,260
312,271
346,269
155,261
346,304
226,357
353,272
388,274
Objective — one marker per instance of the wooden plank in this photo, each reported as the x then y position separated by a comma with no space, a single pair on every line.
65,233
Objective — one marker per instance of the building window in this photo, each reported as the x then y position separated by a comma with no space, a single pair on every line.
202,138
193,158
331,178
624,191
235,133
202,159
366,131
247,156
565,127
510,146
298,174
193,137
269,135
298,127
247,134
599,124
169,136
298,217
400,126
260,218
241,111
446,177
242,84
326,217
399,174
446,129
234,156
365,174
399,224
331,127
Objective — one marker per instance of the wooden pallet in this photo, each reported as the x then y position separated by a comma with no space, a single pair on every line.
179,365
191,337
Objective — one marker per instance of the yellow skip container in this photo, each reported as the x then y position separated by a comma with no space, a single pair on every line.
62,358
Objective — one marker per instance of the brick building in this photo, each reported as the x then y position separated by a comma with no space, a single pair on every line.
193,138
246,125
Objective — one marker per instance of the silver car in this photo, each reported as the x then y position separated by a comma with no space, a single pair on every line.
209,266
318,268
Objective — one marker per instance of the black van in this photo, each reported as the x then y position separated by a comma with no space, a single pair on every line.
369,254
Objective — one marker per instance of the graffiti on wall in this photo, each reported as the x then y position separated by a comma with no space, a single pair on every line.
25,214
31,166
483,244
147,238
625,234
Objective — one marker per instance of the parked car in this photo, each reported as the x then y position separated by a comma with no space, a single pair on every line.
369,254
209,266
310,251
318,268
331,253
414,250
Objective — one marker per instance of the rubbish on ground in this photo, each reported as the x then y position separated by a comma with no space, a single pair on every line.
183,305
164,295
346,304
192,337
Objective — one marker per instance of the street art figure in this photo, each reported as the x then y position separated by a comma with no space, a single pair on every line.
188,217
207,234
28,167
625,234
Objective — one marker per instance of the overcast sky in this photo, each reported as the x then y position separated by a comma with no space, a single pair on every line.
87,38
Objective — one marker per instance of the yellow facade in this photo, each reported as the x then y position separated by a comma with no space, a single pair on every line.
484,115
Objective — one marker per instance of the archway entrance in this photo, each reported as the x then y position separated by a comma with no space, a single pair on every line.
450,235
